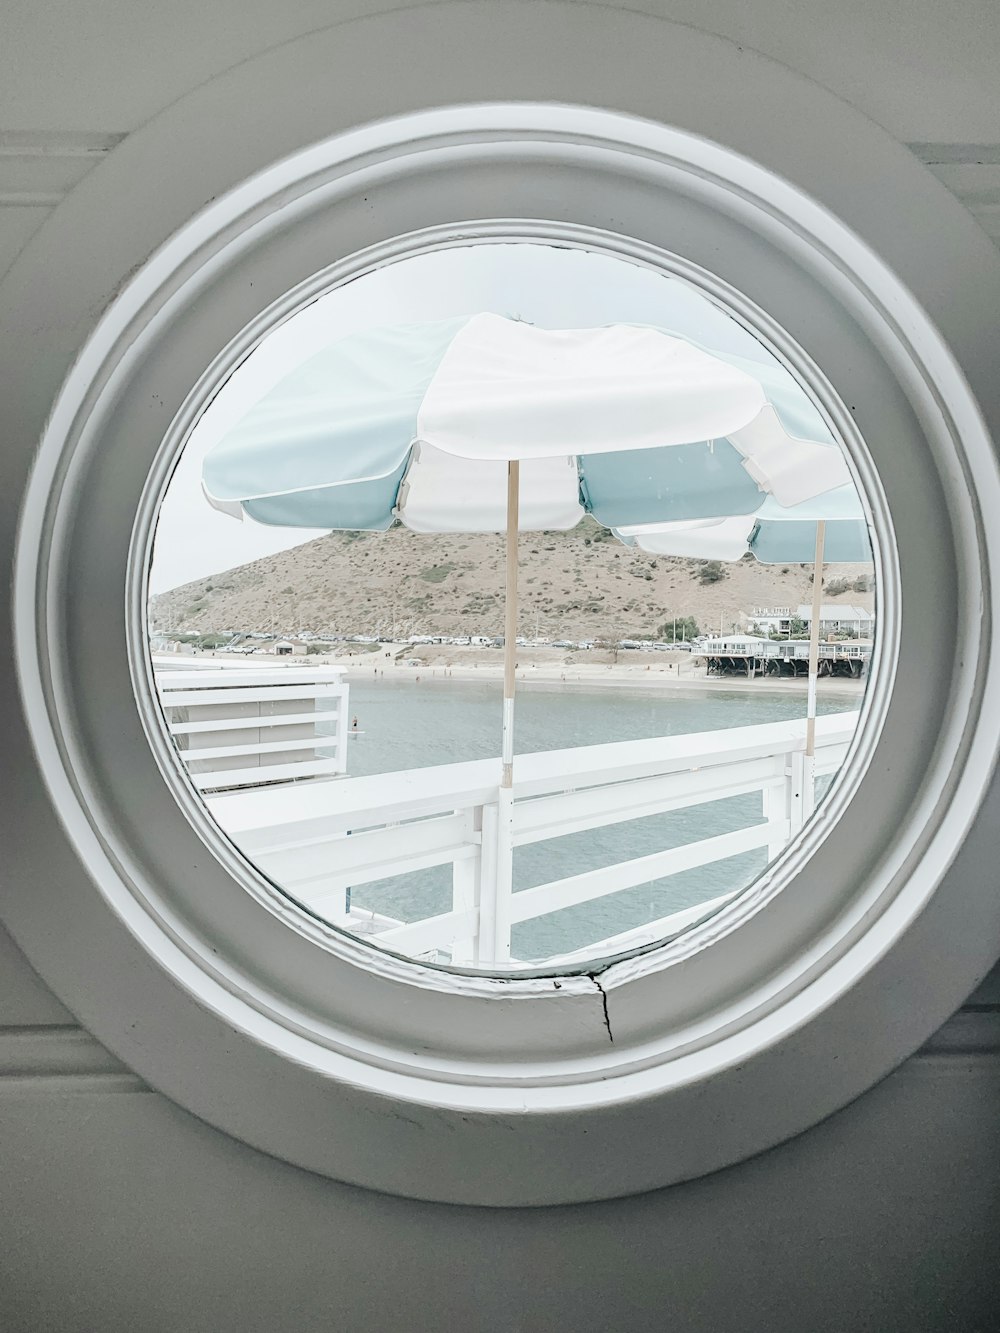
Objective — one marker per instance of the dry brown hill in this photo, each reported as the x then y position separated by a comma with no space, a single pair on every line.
578,584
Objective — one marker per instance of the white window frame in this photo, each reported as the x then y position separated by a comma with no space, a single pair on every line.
381,1071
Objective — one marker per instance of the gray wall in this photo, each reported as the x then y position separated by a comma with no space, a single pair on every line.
121,1211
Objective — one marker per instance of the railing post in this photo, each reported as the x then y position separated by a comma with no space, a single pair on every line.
493,944
465,874
505,874
802,790
485,946
808,785
775,808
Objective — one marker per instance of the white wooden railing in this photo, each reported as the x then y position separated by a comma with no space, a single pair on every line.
324,841
237,726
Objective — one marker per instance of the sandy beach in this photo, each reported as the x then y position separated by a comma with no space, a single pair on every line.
549,668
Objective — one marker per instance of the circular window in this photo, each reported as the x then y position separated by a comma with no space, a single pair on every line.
686,617
571,1080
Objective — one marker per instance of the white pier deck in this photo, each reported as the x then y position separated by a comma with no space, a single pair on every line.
267,747
319,839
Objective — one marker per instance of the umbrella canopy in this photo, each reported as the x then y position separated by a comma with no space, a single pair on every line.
417,424
829,527
776,534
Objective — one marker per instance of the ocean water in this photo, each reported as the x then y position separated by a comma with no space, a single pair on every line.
411,724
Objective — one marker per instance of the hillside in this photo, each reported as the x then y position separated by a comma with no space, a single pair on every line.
576,584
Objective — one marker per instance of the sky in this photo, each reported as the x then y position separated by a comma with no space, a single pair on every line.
547,286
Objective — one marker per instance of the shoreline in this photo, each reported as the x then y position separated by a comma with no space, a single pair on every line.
599,678
673,673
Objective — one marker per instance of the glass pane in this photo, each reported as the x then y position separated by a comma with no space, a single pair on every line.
332,672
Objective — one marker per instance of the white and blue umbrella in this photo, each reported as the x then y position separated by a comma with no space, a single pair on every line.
776,534
417,423
829,527
487,424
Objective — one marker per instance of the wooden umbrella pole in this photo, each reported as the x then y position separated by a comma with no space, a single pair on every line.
510,624
817,610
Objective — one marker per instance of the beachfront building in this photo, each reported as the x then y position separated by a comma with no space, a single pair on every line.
741,644
835,618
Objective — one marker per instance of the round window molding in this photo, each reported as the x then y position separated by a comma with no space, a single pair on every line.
525,1090
647,958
